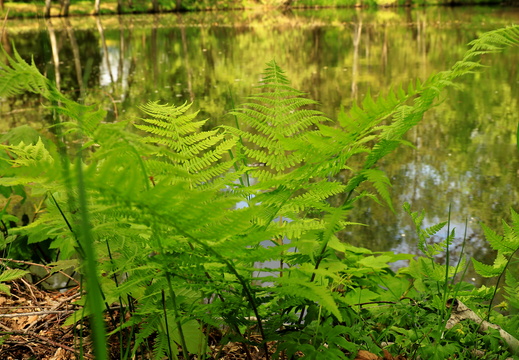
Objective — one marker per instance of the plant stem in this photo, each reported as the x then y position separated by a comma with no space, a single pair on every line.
167,326
94,297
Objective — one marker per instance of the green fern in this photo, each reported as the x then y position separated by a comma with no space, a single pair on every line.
19,77
512,289
278,114
424,234
506,246
178,251
197,153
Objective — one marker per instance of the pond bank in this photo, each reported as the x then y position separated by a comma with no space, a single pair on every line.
37,9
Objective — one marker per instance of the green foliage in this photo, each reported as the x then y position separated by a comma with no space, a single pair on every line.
193,153
9,275
26,9
177,220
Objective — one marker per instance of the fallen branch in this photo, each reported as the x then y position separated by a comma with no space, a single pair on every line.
48,312
460,312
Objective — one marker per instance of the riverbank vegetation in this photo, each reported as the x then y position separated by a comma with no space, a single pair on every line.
47,8
186,239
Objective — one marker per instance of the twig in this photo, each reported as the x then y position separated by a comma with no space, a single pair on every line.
46,267
30,289
46,312
48,341
66,300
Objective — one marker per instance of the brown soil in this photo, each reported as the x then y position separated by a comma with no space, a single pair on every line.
32,328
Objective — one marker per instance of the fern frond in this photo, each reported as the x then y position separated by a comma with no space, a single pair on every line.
29,154
20,77
380,182
31,163
427,233
186,149
496,241
280,115
487,270
512,288
317,293
160,346
494,41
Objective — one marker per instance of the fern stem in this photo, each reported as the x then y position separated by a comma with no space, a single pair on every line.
177,318
234,271
236,168
83,254
447,264
65,218
167,325
121,307
497,284
461,252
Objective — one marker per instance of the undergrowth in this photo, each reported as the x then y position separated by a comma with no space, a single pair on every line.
169,223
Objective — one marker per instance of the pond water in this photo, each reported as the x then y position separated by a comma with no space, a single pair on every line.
465,156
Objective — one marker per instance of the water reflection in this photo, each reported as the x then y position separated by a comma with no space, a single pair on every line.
465,154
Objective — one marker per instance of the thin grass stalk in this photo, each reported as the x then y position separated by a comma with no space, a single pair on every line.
94,297
185,352
497,285
458,285
132,332
82,254
447,264
167,325
81,337
462,252
121,307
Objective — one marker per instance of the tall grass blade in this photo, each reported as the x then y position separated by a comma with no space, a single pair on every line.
94,300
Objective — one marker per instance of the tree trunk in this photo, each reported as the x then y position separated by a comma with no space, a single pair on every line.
77,58
65,6
55,53
355,65
186,61
46,12
105,51
97,7
155,6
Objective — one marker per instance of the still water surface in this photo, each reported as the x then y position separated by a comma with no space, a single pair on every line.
465,156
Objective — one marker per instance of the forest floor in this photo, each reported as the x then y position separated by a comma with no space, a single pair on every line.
32,328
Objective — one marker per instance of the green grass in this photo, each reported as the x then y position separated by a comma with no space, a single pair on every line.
79,8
